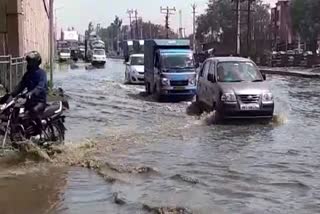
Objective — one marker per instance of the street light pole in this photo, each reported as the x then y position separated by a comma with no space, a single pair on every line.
194,6
51,41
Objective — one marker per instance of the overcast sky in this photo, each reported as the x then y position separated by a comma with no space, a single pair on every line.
78,13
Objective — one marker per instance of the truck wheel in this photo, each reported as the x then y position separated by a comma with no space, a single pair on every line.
147,85
156,94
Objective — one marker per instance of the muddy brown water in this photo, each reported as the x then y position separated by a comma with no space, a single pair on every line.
153,157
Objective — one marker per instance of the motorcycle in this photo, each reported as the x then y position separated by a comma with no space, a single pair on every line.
16,124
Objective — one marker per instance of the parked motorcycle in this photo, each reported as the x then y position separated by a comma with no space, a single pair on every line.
16,124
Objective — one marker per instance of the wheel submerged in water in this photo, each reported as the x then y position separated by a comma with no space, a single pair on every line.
56,133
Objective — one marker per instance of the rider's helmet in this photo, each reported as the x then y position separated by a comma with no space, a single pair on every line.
33,59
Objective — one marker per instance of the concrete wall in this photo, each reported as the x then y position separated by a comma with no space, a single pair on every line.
36,27
27,27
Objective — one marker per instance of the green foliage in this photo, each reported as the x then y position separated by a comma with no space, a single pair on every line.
218,23
306,19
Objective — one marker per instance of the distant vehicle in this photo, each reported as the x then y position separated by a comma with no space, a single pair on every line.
99,57
82,51
234,88
135,69
64,55
169,68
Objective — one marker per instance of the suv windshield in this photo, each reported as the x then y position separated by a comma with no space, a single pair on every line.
177,61
99,52
238,72
137,60
65,51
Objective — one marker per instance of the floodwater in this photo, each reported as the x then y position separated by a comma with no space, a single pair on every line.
156,157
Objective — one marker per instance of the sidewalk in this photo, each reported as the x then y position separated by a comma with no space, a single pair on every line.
297,72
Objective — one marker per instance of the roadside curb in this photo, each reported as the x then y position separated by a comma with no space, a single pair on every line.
291,73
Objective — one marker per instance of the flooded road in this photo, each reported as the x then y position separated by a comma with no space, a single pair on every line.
156,157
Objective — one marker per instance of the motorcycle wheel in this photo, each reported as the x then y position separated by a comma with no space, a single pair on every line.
56,132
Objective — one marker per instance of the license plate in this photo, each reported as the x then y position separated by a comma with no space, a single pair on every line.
179,88
250,107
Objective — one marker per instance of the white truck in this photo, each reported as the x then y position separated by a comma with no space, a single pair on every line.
64,55
99,57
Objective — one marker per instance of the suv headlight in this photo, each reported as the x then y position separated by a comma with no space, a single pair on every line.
192,81
267,97
229,97
165,82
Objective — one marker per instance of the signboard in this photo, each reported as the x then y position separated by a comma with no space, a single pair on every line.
3,16
70,36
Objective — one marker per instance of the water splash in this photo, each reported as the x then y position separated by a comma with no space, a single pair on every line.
279,119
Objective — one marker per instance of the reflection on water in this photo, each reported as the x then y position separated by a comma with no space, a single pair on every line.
150,156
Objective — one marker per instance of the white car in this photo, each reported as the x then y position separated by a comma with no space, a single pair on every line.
98,57
135,69
64,55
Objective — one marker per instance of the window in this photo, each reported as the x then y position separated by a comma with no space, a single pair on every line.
212,68
137,60
206,69
238,72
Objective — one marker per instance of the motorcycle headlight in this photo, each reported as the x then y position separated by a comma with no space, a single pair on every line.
192,81
165,82
267,97
229,97
3,107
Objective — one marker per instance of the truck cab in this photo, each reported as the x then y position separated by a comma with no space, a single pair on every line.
169,68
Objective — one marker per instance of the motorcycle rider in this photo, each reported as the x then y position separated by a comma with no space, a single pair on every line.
35,81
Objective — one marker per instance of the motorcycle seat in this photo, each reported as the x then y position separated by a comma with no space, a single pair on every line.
53,109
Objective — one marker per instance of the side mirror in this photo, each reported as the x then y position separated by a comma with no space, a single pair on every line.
264,76
211,78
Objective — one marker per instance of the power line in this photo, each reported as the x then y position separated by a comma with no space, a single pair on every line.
167,11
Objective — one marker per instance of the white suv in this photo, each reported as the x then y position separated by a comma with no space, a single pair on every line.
234,88
135,69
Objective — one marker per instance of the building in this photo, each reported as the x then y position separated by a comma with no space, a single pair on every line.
24,26
284,36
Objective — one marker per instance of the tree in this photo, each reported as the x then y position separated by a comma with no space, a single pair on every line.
218,25
90,29
306,20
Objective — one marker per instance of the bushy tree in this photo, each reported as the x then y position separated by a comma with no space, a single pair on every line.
218,24
306,20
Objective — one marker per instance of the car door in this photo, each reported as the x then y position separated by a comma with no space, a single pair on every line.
212,84
204,82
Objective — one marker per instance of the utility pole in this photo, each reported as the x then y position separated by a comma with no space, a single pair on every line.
167,11
130,12
180,25
194,6
137,27
51,41
150,31
238,12
249,27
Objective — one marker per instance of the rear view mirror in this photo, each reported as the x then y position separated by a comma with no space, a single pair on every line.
211,78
